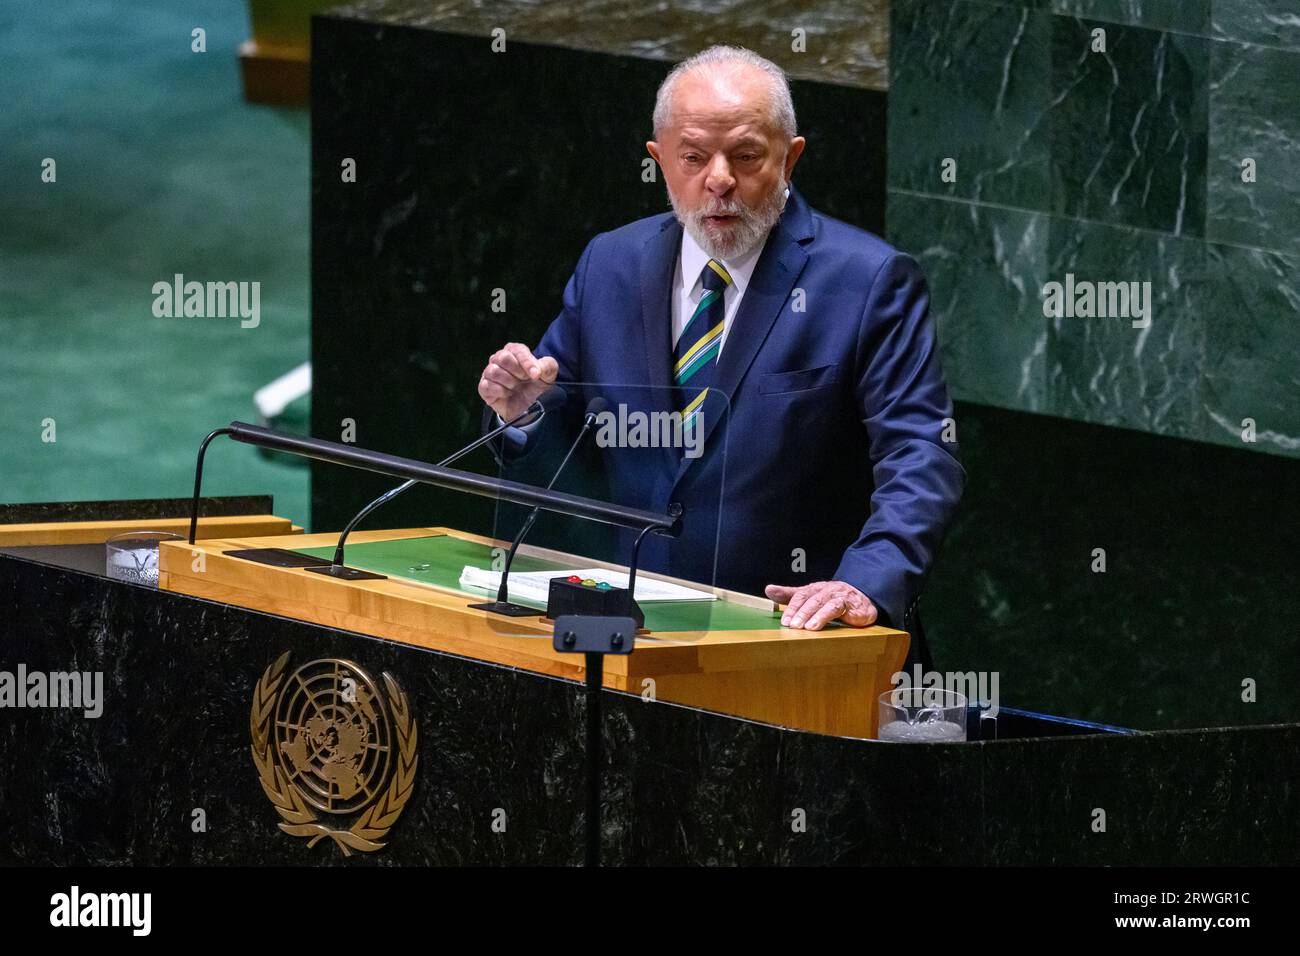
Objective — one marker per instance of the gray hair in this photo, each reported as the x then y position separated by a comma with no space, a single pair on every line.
718,58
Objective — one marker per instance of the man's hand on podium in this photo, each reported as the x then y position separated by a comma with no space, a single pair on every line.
813,606
515,378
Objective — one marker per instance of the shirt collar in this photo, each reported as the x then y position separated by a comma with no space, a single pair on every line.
740,268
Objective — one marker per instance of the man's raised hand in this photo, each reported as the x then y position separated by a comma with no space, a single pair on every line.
515,378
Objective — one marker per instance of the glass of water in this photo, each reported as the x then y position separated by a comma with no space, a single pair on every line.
133,556
922,715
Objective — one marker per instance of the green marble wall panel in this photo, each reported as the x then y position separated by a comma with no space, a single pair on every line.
979,97
1183,16
1023,4
1103,370
1122,166
1129,126
985,266
1250,302
1255,92
1199,588
1269,22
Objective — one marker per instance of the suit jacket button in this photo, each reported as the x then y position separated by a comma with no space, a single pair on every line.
675,509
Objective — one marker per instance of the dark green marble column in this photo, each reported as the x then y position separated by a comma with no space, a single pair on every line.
1117,165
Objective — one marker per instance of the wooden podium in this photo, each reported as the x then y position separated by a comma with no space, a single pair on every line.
731,656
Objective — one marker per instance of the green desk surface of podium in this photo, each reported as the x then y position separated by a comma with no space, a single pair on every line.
447,556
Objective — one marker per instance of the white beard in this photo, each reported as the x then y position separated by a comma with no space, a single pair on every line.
751,228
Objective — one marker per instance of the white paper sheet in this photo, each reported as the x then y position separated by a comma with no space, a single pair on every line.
535,586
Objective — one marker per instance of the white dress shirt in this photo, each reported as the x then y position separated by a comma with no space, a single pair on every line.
688,289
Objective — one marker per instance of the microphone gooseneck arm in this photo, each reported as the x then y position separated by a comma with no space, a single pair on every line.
412,470
198,478
588,420
537,408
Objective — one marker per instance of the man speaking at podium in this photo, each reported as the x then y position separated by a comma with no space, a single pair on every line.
799,346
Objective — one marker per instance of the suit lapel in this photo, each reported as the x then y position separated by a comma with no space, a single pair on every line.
658,262
657,266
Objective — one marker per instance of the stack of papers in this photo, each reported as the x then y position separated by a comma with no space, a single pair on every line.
535,586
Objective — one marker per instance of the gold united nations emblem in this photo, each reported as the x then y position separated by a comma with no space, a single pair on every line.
329,745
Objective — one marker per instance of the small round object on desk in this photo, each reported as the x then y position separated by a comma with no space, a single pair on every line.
602,586
574,579
588,582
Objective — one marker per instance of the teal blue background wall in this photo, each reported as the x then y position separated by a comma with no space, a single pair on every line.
162,168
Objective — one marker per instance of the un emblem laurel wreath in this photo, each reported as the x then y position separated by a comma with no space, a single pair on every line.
300,820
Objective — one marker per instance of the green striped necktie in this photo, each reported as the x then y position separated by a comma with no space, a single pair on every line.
695,357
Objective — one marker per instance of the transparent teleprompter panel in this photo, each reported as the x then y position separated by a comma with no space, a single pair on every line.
657,449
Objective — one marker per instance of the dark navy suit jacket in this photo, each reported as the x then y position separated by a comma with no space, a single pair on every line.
830,462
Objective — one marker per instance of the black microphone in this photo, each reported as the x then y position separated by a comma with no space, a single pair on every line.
549,400
502,604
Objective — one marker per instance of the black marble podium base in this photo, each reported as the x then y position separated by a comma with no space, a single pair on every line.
500,775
